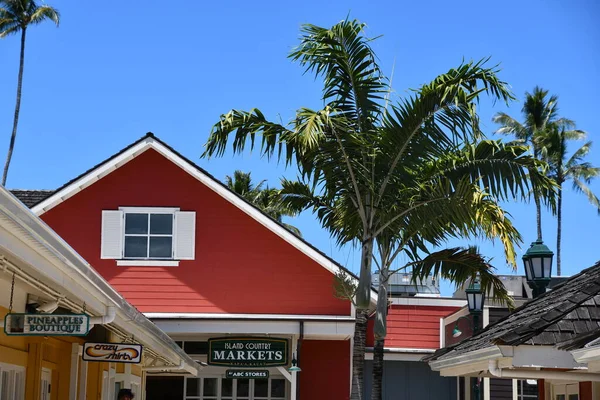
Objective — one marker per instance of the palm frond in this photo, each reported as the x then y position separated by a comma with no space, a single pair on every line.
581,187
461,266
353,82
43,13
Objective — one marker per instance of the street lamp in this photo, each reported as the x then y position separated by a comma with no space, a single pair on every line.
538,267
294,367
475,302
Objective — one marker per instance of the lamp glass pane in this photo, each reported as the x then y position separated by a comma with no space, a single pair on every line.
547,267
527,266
537,267
479,301
471,301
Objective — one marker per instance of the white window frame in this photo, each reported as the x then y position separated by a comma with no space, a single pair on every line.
16,381
234,391
566,390
139,261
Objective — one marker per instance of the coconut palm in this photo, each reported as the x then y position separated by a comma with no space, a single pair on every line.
355,156
540,113
15,17
554,150
265,198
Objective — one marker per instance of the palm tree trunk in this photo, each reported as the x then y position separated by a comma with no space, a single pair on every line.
358,354
363,292
377,389
380,328
559,228
538,208
13,136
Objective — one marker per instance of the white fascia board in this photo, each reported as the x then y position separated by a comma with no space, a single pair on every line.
429,301
333,330
150,142
46,256
528,356
415,357
587,354
485,354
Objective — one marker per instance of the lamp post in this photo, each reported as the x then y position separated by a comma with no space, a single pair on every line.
538,267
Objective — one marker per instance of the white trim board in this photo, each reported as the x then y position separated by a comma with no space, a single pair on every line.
149,142
429,301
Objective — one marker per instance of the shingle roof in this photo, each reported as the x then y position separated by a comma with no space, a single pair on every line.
566,317
31,197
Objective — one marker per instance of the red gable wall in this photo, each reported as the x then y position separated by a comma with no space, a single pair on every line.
240,266
416,327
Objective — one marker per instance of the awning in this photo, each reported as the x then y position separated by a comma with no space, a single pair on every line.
40,257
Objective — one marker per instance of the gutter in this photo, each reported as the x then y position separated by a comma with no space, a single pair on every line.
470,357
498,372
72,265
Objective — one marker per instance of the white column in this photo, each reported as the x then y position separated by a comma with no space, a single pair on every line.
83,380
294,381
74,371
486,389
127,377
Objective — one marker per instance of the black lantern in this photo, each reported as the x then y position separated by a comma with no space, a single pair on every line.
475,297
538,266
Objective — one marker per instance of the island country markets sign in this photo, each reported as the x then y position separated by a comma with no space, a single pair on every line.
112,352
248,352
17,324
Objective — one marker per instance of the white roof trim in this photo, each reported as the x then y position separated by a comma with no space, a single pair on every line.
429,301
151,143
284,317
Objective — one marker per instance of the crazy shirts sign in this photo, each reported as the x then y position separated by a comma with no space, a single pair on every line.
46,324
113,352
248,352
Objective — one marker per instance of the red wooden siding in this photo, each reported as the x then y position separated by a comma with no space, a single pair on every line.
240,266
325,370
416,327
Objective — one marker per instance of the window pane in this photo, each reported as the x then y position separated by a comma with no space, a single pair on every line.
160,247
573,397
196,347
261,387
278,388
227,387
243,387
136,223
161,224
210,386
136,246
193,387
529,389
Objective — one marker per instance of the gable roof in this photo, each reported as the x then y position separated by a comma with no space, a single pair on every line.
566,317
31,197
150,141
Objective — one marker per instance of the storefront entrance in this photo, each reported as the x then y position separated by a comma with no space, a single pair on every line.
221,388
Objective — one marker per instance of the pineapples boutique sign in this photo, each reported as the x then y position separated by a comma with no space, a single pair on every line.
248,352
16,324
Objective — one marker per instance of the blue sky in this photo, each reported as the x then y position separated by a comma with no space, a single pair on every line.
115,70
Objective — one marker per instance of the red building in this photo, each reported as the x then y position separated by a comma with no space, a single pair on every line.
202,263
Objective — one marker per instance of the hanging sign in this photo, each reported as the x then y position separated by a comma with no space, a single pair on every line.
113,352
46,324
247,374
248,352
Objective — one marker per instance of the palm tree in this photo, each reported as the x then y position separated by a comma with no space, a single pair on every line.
266,199
16,16
540,113
554,150
355,156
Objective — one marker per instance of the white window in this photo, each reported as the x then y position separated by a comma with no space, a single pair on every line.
220,388
566,392
12,382
527,389
148,236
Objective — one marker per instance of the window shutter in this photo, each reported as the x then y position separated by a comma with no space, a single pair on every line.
185,235
112,234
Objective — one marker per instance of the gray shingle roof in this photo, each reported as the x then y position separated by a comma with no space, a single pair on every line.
566,317
31,197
